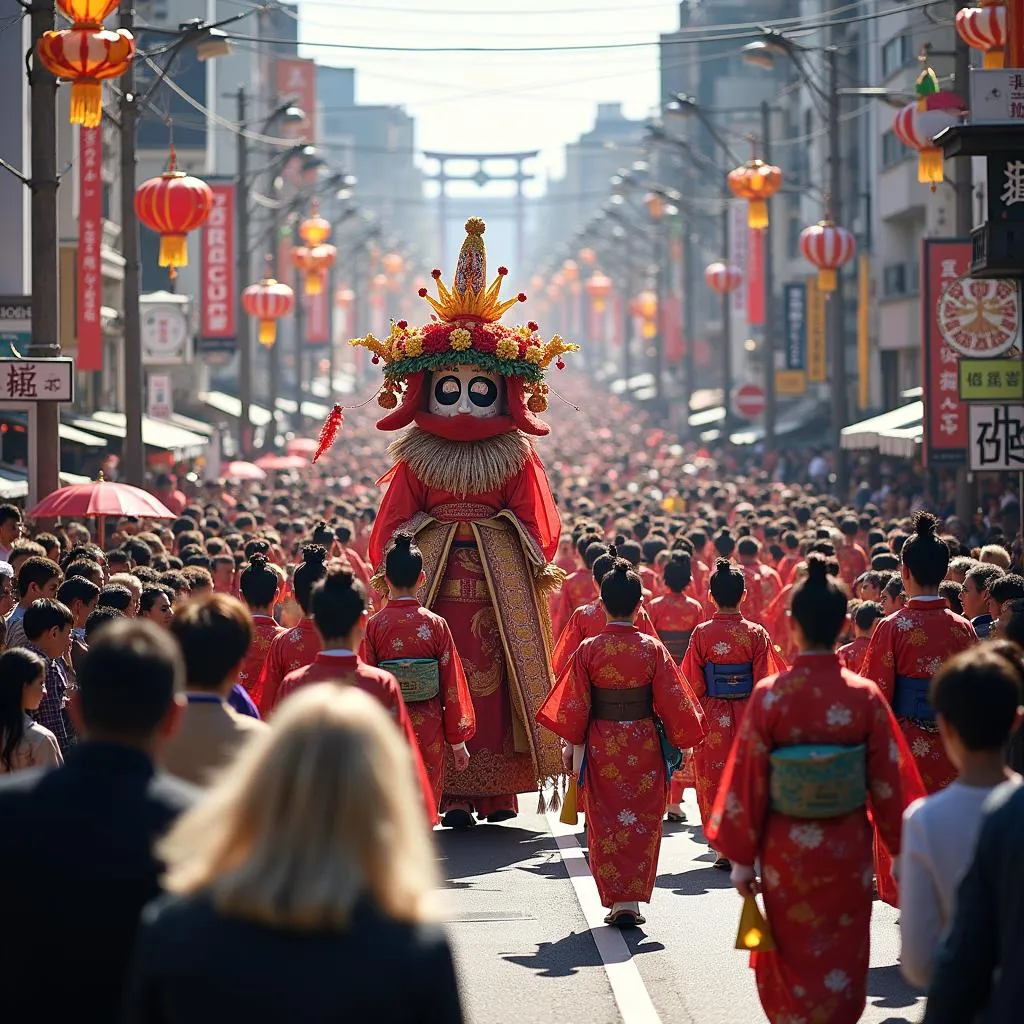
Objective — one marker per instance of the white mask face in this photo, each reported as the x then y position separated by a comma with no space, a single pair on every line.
467,391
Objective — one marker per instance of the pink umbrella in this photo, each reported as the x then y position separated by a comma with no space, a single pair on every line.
274,462
301,446
244,471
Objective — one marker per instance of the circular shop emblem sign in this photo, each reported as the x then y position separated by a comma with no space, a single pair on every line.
979,318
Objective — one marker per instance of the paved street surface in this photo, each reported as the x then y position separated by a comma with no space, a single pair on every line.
526,952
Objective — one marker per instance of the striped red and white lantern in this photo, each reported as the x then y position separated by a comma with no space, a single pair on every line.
984,28
268,300
828,247
917,128
723,278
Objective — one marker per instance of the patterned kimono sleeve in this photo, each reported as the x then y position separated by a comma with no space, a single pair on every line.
879,664
568,640
566,712
404,497
368,648
675,704
742,804
271,677
766,660
459,716
692,668
893,779
644,622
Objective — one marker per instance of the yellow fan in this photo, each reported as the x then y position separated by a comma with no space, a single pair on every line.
754,934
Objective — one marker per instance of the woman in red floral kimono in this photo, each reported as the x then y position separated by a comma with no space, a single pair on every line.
726,656
259,585
817,749
675,615
590,619
763,583
906,650
299,645
338,605
578,588
606,701
416,646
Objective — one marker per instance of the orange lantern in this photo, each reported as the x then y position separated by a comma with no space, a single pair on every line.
756,182
647,310
587,256
314,230
268,300
570,271
85,55
393,264
172,205
314,263
599,287
536,283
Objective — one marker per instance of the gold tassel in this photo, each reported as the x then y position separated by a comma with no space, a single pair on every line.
570,814
548,580
754,934
541,805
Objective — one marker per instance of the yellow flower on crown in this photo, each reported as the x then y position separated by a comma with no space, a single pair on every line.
413,346
534,354
460,339
507,349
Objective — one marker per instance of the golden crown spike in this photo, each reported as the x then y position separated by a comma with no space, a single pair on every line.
468,299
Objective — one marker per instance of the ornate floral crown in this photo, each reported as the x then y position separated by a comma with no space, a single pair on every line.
464,331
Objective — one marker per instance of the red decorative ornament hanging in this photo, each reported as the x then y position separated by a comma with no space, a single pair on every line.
329,431
86,54
722,278
172,205
268,300
828,247
984,28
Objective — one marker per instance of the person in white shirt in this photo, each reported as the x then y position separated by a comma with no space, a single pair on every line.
24,743
977,697
10,529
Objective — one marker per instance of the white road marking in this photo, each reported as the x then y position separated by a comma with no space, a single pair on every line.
627,984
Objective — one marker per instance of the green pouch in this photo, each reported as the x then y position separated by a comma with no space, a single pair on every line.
818,780
418,678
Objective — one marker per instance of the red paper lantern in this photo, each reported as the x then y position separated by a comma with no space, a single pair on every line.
172,205
268,300
599,287
315,230
647,310
723,278
828,247
392,263
344,297
314,263
756,182
86,54
570,271
984,28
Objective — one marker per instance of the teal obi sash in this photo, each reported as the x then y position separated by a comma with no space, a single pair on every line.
418,678
818,780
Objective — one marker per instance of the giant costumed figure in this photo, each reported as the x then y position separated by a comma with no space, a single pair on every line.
469,484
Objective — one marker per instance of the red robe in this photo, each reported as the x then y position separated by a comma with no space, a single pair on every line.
624,780
698,588
405,629
914,642
780,625
816,873
578,589
350,670
676,613
588,621
264,632
763,586
851,655
787,566
291,650
853,561
727,639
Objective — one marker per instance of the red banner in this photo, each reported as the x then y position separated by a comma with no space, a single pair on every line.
295,81
219,288
675,348
90,236
318,321
943,262
755,278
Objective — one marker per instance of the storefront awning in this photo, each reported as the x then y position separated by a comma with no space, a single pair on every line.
902,443
162,434
14,483
311,410
864,435
228,405
82,437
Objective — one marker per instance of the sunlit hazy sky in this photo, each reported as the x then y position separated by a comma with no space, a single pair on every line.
495,101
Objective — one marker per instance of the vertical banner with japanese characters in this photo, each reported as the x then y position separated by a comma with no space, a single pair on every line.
817,350
794,305
90,234
755,277
295,82
944,264
738,253
219,288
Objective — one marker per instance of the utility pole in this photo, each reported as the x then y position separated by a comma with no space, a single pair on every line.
962,164
627,321
45,259
133,458
661,256
836,318
300,343
689,316
726,325
769,294
245,354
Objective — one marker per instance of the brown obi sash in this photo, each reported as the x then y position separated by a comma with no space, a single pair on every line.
677,641
607,705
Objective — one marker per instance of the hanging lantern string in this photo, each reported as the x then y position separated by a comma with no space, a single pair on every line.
563,399
172,153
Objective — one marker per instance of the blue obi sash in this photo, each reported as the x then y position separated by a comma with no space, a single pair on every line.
910,699
818,780
729,682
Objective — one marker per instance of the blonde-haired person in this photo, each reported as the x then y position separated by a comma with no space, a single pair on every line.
301,885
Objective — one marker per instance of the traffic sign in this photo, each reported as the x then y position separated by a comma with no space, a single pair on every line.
748,401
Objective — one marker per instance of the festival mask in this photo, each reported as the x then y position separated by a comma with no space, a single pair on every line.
467,391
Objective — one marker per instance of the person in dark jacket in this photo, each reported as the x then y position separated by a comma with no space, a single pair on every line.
301,884
979,969
76,855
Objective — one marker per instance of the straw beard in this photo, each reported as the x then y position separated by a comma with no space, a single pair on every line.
462,467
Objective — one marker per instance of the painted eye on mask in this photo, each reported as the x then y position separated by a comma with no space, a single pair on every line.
483,393
448,390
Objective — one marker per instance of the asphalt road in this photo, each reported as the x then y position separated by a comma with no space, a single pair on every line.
526,953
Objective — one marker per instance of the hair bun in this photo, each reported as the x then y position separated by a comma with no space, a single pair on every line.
613,551
340,579
817,568
403,540
622,566
723,565
258,560
620,538
314,554
925,524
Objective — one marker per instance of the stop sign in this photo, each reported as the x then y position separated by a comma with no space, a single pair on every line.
748,401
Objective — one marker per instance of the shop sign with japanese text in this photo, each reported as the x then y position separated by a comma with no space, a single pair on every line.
794,305
37,380
997,437
219,288
991,380
817,347
944,264
90,236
